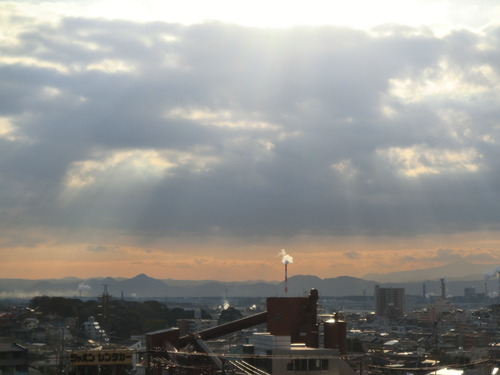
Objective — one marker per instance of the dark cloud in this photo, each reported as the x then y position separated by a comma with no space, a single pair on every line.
408,259
448,254
162,129
352,255
97,248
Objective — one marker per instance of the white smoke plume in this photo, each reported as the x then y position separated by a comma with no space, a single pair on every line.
83,286
285,258
492,274
225,305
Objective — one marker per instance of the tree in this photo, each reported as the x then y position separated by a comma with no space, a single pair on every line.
228,315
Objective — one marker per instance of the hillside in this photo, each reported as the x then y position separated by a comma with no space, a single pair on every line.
143,286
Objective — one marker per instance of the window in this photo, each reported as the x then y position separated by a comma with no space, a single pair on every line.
307,365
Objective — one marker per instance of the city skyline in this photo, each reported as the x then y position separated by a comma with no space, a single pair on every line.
198,141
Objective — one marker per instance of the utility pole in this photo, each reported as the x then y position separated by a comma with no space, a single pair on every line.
105,298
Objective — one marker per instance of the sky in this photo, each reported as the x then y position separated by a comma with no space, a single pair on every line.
196,140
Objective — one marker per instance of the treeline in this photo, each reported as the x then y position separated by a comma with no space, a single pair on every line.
119,318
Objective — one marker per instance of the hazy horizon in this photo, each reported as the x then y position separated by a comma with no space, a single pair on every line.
197,141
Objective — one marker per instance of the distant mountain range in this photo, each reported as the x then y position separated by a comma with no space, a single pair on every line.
459,270
143,286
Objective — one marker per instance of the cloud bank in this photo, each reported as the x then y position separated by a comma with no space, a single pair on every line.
161,130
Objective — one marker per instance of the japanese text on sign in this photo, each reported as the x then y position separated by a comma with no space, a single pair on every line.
101,357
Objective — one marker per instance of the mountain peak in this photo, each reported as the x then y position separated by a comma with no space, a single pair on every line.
141,276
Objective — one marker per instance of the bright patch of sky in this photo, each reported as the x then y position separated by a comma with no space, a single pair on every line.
439,15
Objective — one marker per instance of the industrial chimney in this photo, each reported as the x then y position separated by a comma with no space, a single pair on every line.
443,289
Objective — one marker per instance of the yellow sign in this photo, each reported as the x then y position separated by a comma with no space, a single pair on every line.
100,357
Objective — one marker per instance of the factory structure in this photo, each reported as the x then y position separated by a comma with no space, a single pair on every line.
293,342
288,335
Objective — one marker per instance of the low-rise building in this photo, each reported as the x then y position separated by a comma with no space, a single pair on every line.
94,331
13,359
187,326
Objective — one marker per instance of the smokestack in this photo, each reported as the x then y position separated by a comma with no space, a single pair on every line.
488,276
83,286
423,290
443,289
286,279
285,259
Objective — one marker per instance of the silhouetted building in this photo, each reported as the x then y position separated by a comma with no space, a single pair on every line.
189,326
289,344
389,302
13,359
470,292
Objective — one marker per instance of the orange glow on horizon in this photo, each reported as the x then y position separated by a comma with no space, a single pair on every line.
226,260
